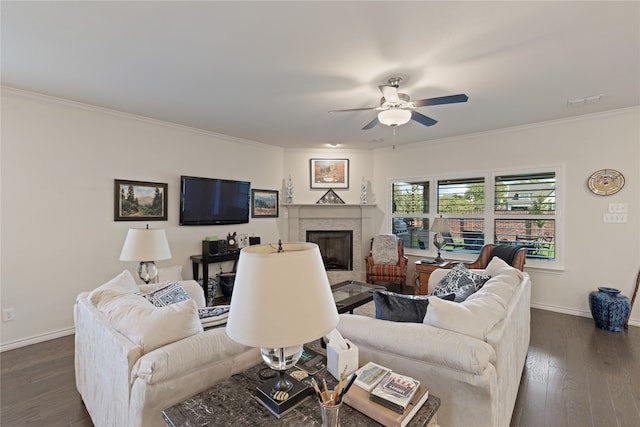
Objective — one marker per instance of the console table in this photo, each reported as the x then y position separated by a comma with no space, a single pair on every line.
196,260
424,268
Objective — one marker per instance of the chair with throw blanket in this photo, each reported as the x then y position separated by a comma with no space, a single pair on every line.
387,262
512,255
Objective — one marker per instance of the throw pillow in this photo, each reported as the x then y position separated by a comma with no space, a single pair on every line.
464,292
458,277
169,294
385,249
148,326
400,307
472,317
213,316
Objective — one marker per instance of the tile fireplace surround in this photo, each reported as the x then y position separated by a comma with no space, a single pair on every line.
358,218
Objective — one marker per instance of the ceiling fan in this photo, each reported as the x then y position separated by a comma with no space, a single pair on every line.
397,109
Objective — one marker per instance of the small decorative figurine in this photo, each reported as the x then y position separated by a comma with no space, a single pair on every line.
363,192
289,190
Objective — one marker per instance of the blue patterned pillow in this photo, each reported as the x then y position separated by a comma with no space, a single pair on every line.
458,277
167,295
213,316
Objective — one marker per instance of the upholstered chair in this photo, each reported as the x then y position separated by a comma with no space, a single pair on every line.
513,255
389,273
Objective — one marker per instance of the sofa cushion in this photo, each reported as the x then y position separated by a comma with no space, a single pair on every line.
497,267
146,325
458,277
473,317
168,294
122,283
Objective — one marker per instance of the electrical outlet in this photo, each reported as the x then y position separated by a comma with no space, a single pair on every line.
8,314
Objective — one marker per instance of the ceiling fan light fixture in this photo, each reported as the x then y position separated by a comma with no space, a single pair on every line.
394,117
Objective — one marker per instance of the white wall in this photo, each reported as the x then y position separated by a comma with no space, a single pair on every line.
595,254
58,236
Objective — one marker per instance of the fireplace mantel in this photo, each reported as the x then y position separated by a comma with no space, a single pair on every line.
359,218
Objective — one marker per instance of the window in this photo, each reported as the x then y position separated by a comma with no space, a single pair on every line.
517,209
410,211
464,200
525,208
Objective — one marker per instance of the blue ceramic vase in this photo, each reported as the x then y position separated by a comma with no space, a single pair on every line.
609,309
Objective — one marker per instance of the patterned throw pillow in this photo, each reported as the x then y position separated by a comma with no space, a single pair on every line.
213,316
400,307
458,277
167,295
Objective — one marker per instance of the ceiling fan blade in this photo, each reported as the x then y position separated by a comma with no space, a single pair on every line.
354,109
371,124
390,93
451,99
422,119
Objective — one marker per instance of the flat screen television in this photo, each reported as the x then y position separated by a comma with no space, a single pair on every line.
210,201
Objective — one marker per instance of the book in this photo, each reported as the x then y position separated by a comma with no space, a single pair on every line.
311,361
358,399
395,391
370,375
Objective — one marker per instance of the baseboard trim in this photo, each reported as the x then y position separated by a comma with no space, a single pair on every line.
572,312
36,339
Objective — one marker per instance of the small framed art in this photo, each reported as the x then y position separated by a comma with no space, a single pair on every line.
329,173
140,201
264,203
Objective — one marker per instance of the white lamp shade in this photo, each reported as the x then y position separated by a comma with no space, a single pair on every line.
394,117
281,299
440,225
143,244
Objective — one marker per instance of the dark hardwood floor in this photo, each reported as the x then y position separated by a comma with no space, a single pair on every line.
576,375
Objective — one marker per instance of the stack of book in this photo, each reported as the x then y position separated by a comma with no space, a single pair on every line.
385,396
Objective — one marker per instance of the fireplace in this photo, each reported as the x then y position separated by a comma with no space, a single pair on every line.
336,248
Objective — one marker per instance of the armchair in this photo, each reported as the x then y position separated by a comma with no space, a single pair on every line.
513,255
390,273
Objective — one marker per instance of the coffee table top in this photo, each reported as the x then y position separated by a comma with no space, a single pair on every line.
232,403
351,294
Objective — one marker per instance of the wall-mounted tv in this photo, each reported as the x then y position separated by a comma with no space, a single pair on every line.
210,201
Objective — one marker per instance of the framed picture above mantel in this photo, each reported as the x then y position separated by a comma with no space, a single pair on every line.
329,173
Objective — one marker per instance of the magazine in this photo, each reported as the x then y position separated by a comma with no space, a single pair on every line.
311,361
395,391
370,375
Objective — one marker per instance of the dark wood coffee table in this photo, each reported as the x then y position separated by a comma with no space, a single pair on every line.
351,294
232,403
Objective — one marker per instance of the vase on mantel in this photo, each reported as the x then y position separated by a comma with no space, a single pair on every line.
609,309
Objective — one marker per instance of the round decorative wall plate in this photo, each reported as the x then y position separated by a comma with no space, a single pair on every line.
606,182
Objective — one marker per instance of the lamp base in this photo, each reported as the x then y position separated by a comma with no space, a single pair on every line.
298,393
439,259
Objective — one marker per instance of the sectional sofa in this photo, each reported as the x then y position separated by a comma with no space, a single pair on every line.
471,354
133,359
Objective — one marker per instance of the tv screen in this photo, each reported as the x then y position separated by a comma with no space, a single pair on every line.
209,201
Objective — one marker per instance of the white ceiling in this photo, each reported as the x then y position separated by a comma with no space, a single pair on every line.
270,71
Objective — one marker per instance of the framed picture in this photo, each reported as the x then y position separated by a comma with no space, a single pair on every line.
140,201
264,203
329,173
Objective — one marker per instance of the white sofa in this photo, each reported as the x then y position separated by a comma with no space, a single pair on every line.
469,354
134,360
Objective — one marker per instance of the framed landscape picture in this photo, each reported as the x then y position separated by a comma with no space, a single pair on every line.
264,203
140,201
329,173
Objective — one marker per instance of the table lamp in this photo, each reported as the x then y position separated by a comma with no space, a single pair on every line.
145,245
439,226
281,300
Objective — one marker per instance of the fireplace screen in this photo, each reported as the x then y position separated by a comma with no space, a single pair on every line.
336,248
